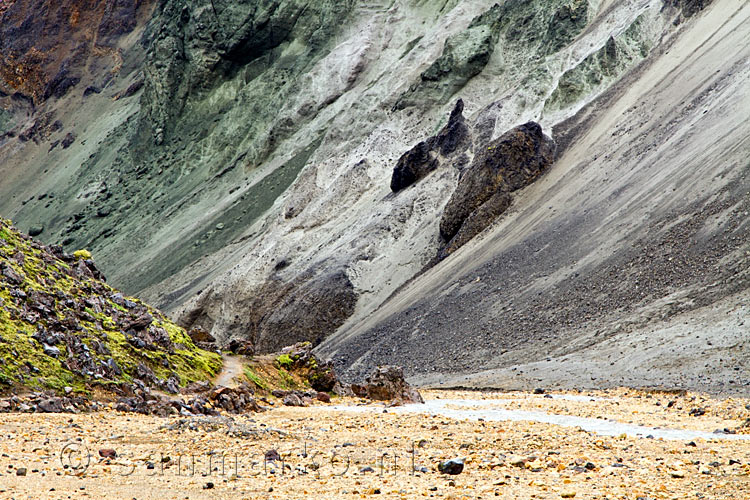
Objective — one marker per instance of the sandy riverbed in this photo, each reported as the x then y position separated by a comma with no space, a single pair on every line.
324,452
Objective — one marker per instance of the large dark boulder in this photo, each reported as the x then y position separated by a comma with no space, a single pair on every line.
510,162
426,156
413,165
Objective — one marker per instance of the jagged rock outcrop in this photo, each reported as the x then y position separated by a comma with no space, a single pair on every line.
425,157
511,162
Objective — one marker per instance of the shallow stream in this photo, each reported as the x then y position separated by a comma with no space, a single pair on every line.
492,410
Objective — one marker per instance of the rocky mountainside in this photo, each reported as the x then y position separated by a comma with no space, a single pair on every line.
63,328
456,187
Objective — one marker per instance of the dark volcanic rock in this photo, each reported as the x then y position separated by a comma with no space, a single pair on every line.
11,275
119,18
453,467
511,162
323,377
272,455
244,347
425,157
413,165
387,383
308,312
688,7
68,140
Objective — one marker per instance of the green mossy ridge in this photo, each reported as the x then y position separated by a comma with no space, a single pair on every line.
24,363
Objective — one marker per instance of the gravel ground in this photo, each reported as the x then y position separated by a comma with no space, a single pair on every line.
326,452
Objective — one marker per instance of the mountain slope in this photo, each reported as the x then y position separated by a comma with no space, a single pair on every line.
626,264
237,169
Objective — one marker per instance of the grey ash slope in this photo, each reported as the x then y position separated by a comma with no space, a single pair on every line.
627,264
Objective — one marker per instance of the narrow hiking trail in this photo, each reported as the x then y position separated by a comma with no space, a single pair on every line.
230,371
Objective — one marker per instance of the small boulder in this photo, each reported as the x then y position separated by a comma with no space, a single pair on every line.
242,347
200,335
12,276
453,466
292,399
51,405
50,350
107,453
388,383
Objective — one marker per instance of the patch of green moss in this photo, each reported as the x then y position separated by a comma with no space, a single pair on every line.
256,379
6,235
286,380
284,361
82,254
20,353
118,307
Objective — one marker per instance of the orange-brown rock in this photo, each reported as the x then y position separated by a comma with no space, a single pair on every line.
47,48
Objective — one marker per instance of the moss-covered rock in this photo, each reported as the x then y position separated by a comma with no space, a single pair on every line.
61,327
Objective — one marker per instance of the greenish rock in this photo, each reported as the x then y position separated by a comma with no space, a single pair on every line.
567,22
464,56
522,30
6,121
603,66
